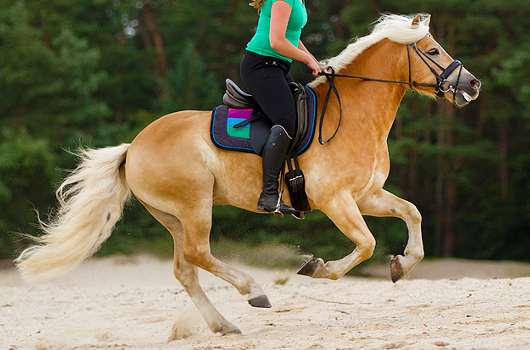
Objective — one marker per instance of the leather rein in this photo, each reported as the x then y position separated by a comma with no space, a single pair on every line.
441,79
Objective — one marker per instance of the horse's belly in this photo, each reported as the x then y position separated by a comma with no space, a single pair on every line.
238,178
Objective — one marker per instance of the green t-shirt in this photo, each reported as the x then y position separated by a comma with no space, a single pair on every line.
260,42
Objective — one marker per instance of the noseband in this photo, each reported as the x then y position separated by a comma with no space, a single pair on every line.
441,80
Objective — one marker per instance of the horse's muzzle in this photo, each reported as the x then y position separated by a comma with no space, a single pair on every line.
467,89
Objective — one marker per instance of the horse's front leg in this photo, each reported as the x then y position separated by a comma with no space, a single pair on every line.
383,203
345,214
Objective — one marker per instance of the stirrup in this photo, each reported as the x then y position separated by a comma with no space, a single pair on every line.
277,212
299,215
276,209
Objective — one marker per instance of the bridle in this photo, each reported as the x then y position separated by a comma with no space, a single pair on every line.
441,80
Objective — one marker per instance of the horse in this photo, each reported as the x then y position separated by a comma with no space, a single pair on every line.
177,174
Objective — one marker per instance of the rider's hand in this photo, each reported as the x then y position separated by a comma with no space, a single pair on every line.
315,67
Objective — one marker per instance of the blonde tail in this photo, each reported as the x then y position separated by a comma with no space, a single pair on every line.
91,201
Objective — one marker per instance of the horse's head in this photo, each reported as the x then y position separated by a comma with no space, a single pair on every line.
437,73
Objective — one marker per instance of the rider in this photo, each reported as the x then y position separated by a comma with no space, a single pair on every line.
265,72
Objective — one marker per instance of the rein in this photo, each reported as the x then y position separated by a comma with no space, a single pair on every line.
441,79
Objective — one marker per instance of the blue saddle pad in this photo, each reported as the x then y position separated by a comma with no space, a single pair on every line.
225,136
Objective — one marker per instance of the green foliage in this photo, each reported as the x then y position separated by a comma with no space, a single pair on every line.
26,175
189,86
92,72
48,83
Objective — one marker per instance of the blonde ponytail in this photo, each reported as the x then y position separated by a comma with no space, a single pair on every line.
257,4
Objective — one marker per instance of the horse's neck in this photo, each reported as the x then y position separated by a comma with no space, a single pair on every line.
373,103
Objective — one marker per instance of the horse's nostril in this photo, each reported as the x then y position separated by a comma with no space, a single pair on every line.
475,83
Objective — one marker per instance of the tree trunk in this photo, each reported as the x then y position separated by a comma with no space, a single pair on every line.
161,70
449,247
440,164
503,140
445,187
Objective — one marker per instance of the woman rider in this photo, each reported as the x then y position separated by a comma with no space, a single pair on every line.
265,72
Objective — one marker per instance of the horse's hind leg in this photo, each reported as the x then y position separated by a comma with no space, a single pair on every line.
187,274
197,221
383,203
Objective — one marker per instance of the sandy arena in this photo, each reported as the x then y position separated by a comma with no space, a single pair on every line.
136,303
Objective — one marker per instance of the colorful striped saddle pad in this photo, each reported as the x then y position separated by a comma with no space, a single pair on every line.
251,136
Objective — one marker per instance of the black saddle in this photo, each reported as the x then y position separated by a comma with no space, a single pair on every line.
234,97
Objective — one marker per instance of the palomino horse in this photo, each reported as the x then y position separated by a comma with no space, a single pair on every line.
176,172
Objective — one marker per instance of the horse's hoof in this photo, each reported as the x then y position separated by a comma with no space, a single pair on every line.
260,301
233,332
226,328
309,267
396,270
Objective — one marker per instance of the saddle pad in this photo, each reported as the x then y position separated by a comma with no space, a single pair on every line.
225,136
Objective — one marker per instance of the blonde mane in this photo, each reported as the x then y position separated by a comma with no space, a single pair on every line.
397,28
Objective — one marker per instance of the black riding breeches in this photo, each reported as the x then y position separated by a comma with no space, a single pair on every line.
267,78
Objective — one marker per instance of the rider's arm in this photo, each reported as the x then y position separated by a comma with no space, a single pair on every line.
302,47
279,19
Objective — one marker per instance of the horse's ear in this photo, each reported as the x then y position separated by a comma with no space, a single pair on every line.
427,20
416,21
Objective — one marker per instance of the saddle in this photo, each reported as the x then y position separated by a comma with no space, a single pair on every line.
236,99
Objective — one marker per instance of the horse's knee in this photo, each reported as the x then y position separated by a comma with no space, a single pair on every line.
414,215
414,247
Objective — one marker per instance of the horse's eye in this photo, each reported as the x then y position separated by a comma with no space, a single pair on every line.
433,52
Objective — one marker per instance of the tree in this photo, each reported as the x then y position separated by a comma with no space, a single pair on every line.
97,72
49,82
26,175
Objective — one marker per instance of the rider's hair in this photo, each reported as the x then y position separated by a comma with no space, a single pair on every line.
257,4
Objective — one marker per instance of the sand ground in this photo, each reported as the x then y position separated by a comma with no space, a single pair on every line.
136,303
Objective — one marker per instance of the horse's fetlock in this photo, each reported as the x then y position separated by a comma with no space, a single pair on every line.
416,255
334,276
419,255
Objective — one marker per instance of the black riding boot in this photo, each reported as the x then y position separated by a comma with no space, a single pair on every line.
274,153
